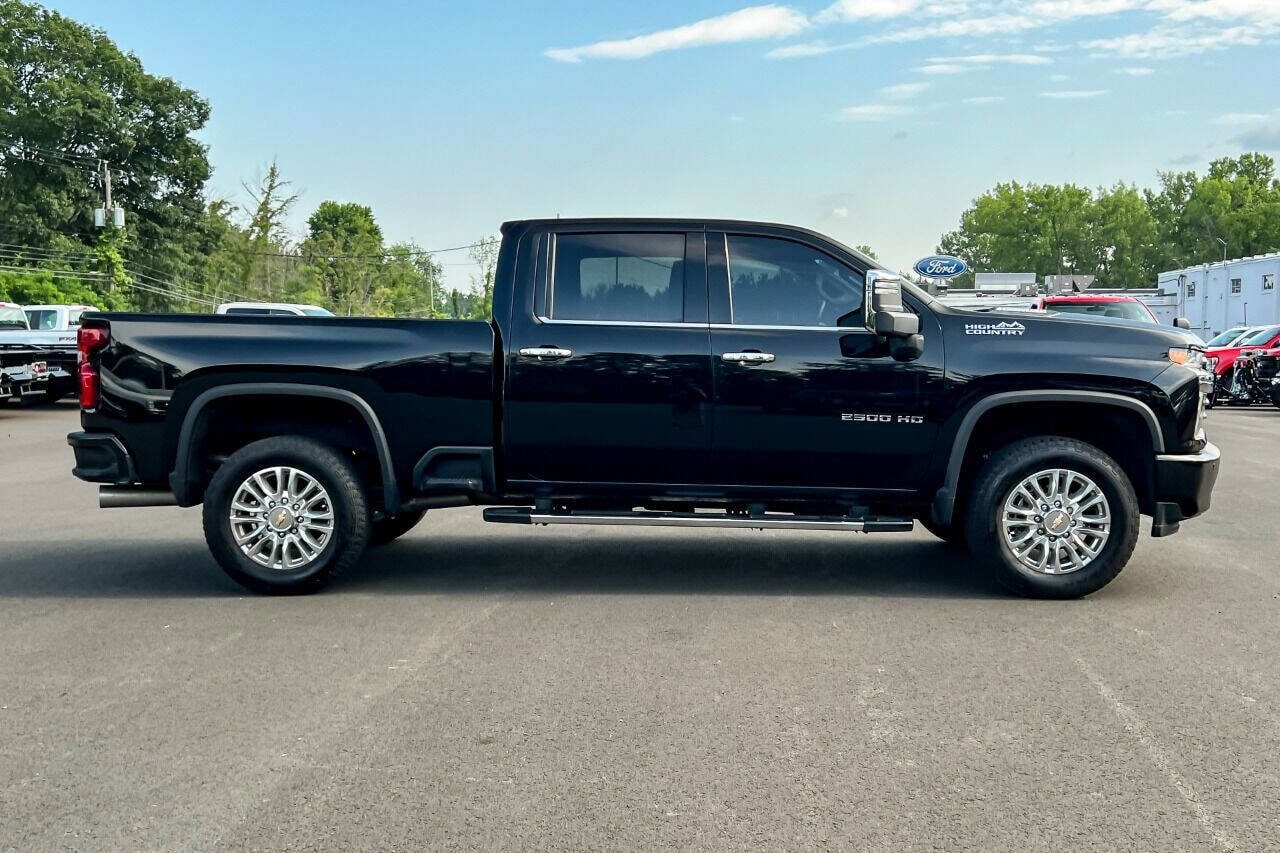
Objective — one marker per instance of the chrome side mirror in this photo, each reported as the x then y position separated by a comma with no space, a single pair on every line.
886,315
1183,323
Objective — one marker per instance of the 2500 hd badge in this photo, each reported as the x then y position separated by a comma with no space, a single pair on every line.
865,418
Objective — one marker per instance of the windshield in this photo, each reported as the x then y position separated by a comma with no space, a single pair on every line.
1131,311
1261,337
1226,337
317,312
13,318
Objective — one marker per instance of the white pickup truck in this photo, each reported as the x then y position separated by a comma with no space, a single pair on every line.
44,338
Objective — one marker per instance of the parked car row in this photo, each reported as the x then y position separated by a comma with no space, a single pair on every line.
38,351
1243,360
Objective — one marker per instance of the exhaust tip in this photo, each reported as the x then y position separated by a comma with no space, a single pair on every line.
120,497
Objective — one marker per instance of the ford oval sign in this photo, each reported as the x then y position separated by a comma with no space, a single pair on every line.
941,266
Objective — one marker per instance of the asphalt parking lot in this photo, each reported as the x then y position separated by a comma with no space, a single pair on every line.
487,686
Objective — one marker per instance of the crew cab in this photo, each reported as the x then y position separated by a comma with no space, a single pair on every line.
688,373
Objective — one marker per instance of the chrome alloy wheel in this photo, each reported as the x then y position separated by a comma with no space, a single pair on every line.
281,518
1056,521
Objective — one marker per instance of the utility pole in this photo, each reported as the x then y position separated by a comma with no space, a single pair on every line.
108,209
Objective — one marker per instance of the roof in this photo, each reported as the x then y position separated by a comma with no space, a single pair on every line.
690,223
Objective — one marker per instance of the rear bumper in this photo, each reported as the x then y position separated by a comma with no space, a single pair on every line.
1184,487
102,458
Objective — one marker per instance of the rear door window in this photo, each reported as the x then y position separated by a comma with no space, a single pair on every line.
637,278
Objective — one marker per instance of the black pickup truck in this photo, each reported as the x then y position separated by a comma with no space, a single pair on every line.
686,373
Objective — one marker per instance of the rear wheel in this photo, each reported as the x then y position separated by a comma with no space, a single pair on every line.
286,515
392,527
1053,518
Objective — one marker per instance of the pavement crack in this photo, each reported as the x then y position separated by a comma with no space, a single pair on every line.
1136,726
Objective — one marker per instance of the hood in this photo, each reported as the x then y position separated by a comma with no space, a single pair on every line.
1068,344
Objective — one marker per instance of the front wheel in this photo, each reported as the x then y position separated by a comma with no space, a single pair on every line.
1053,518
286,515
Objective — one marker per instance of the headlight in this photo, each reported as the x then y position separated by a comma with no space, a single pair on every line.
1188,357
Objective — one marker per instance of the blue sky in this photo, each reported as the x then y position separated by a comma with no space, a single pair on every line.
875,121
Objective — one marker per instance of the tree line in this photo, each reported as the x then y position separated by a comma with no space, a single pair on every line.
1123,235
72,101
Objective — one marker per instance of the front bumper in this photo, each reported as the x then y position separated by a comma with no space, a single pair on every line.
1184,487
102,458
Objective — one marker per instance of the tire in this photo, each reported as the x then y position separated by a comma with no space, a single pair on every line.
344,502
952,534
1011,467
392,527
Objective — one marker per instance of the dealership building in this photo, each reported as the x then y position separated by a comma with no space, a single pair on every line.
1215,297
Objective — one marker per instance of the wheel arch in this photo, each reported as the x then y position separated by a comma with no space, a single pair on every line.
957,469
184,479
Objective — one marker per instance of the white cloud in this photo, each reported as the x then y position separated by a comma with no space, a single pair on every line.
1074,94
753,23
949,68
1242,118
1166,42
980,100
1060,78
875,112
806,48
995,59
1136,71
858,10
904,91
841,213
1260,139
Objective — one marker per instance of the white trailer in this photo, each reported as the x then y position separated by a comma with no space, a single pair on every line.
1215,297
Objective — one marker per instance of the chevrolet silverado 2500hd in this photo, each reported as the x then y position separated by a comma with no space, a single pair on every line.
656,372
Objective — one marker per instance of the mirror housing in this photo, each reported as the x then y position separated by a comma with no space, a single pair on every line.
886,315
1182,323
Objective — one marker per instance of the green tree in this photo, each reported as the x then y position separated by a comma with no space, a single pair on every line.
343,253
485,255
70,98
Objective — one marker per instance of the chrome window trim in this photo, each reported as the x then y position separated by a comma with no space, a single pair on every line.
643,324
841,329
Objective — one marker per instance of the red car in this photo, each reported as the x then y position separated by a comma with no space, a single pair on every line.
1100,306
1261,338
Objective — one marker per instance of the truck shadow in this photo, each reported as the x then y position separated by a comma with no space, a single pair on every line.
474,565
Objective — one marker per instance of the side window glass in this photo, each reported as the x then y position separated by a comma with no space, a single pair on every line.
625,277
781,283
42,320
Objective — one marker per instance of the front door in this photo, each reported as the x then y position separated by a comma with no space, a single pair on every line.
609,376
805,394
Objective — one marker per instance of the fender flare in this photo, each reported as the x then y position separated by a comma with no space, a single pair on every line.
944,502
180,478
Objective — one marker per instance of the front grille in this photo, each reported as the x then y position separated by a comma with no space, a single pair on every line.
1267,366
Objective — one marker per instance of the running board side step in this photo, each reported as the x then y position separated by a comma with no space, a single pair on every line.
770,521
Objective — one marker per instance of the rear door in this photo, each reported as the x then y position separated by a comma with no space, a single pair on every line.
805,394
609,375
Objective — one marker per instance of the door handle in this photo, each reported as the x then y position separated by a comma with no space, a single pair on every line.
545,352
748,357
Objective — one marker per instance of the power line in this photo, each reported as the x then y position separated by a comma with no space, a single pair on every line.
85,159
383,256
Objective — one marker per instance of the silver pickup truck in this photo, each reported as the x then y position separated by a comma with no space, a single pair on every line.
39,343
